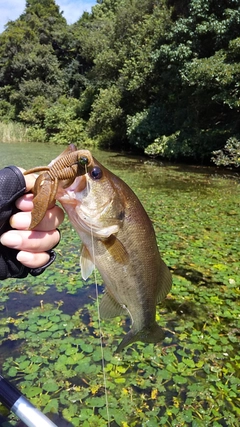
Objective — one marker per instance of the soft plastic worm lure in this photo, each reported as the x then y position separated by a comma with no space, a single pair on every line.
66,167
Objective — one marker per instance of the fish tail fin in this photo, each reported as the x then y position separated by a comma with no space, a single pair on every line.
150,334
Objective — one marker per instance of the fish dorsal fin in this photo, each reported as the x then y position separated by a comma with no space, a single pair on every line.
166,281
86,263
109,307
116,249
69,149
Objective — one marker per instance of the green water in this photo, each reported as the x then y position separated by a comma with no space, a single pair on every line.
49,333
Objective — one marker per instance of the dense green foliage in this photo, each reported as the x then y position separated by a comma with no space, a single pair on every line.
163,77
49,327
230,155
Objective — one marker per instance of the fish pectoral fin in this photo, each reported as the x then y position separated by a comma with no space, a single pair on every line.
104,233
166,281
109,307
86,264
116,249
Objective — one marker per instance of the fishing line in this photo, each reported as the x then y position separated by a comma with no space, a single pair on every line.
99,321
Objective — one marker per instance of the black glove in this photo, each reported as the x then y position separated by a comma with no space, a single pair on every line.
12,186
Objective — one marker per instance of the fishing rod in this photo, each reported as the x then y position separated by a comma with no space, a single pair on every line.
11,397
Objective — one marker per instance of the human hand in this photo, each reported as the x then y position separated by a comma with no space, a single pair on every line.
32,245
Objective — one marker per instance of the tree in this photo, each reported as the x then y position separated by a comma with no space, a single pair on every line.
29,64
163,77
195,82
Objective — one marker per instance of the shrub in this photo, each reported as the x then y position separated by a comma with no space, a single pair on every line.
105,122
71,132
164,146
36,134
148,125
35,113
229,155
7,111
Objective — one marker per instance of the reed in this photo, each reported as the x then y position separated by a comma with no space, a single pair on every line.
13,132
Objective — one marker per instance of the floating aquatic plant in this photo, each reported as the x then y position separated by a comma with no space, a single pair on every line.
49,327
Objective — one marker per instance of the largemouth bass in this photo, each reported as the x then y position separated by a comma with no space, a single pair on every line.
119,240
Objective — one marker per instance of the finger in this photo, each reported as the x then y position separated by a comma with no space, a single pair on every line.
33,260
30,182
52,219
30,241
29,179
25,203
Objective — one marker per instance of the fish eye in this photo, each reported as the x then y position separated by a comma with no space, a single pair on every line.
96,172
83,161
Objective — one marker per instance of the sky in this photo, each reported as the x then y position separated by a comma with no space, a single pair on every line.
72,9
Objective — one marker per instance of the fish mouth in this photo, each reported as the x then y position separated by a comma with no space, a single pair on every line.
78,185
68,194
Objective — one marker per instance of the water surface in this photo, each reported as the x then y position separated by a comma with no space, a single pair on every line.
49,336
